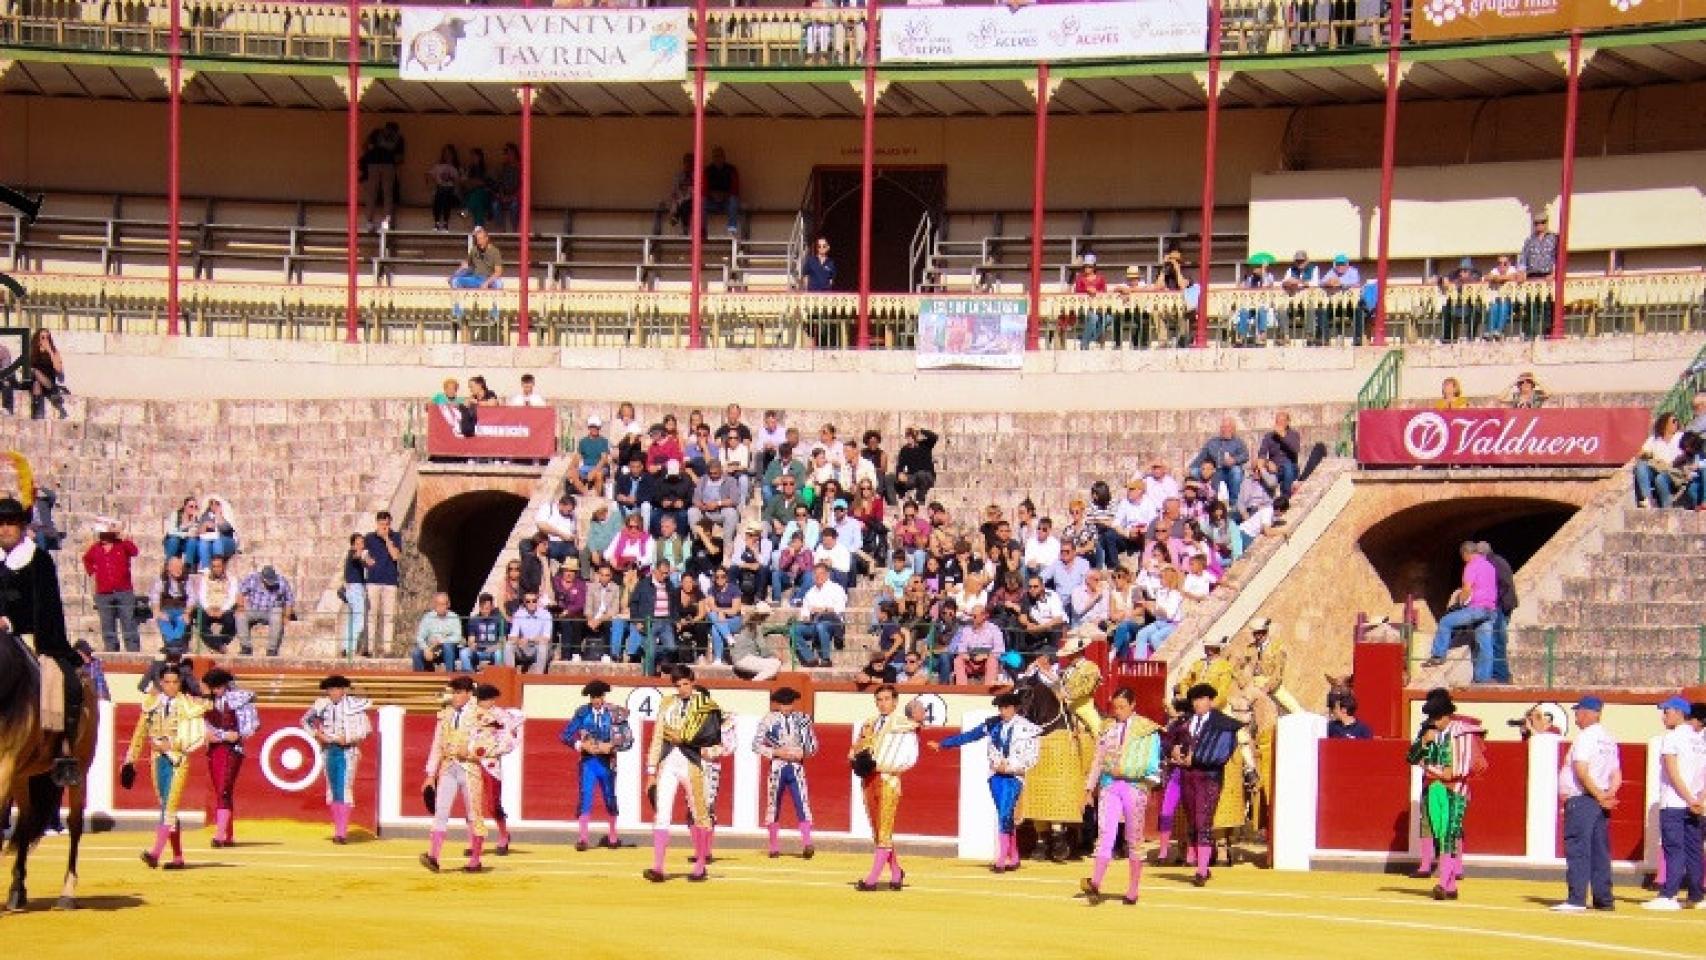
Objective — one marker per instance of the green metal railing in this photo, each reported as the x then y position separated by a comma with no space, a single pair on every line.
1378,393
1680,398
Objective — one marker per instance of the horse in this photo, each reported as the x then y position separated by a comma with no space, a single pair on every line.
1055,786
26,762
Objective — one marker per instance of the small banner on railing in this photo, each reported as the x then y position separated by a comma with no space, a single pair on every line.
1043,31
544,45
980,332
1480,19
504,433
1580,437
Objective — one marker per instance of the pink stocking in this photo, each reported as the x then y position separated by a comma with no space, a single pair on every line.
806,832
435,844
475,845
1427,864
1205,856
1098,872
775,838
660,847
895,872
1135,865
584,821
878,858
162,833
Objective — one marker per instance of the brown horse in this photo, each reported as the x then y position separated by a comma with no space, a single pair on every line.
26,759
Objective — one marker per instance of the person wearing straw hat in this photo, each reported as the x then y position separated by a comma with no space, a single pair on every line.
1525,393
339,724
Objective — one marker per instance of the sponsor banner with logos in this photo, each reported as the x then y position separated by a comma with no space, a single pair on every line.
986,333
1583,437
504,433
1481,19
543,45
1043,31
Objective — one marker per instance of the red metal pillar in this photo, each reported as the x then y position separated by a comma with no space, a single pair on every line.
1039,179
525,256
867,174
352,182
1211,151
695,331
174,136
1388,159
1572,91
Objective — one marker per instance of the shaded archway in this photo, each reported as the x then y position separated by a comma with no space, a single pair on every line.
462,537
1415,551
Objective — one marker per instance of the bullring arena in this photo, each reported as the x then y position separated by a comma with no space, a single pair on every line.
1212,477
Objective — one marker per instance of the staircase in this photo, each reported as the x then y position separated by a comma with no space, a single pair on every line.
300,477
1626,612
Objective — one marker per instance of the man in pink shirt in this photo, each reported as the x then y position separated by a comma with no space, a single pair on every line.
1477,603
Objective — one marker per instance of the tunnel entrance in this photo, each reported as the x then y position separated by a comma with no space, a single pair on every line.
462,537
1415,551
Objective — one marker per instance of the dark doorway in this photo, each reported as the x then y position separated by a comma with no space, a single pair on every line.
462,538
1415,550
900,197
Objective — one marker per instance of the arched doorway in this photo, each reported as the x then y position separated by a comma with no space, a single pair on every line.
1415,551
463,536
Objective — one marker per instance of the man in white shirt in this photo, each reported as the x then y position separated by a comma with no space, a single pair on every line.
528,397
1588,784
821,610
1682,801
1042,548
770,438
1132,516
557,522
1158,488
529,646
830,553
1041,617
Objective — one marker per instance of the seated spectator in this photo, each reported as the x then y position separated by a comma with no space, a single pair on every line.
654,607
977,646
634,488
483,634
1342,278
722,189
725,611
698,451
673,495
531,633
632,548
1099,529
706,554
749,566
1252,324
678,205
1224,536
1042,619
868,512
1166,536
915,465
969,593
1451,395
483,268
1006,595
1344,725
1526,394
216,535
912,536
1089,607
266,597
528,397
1200,581
603,608
438,637
674,547
511,587
1228,452
1066,574
750,654
1283,448
183,533
785,476
716,498
895,578
568,611
1165,612
819,626
736,456
173,598
1658,465
1131,519
1042,550
1126,615
1256,502
557,522
791,574
832,554
217,597
592,459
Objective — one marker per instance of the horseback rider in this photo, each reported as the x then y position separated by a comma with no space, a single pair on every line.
31,612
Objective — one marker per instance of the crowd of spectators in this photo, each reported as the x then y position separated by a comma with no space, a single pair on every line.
751,544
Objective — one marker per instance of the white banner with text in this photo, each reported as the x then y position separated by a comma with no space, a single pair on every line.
1044,32
570,45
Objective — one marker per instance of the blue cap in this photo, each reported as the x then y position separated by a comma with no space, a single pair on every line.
840,504
1341,260
1676,703
1012,660
1590,703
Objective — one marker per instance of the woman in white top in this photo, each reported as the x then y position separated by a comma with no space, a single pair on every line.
1167,607
1654,479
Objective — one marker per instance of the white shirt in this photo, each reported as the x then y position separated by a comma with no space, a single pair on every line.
1047,608
1689,749
850,531
1168,603
1157,492
828,598
549,514
769,439
1198,584
533,399
736,458
1130,518
1594,747
837,557
1041,553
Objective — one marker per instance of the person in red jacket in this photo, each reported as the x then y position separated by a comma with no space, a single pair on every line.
108,561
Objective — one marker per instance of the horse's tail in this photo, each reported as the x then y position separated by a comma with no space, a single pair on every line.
20,695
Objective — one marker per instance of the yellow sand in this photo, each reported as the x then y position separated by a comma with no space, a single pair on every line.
290,893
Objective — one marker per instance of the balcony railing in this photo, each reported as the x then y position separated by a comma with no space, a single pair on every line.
759,37
1632,304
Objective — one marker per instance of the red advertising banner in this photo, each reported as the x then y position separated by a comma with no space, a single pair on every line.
1583,437
504,433
282,777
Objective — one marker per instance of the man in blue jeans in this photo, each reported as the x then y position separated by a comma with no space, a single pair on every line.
1588,785
1479,599
820,613
653,608
1228,453
1682,801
